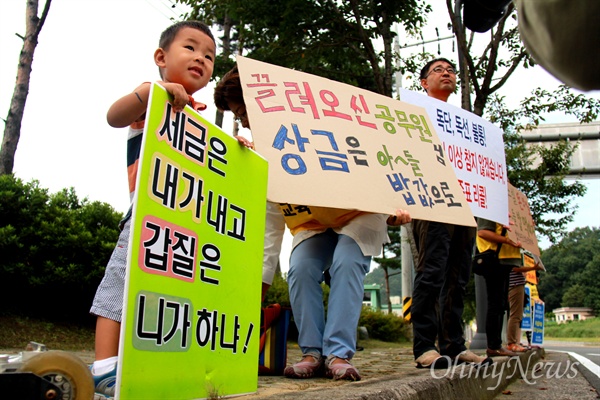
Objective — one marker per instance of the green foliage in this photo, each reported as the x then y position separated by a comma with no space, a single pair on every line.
16,332
53,247
391,265
278,292
321,37
500,53
539,171
470,305
377,276
574,296
573,329
383,326
572,270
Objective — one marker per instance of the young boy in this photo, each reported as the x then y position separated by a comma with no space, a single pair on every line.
185,60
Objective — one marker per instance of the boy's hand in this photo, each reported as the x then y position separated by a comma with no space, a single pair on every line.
180,96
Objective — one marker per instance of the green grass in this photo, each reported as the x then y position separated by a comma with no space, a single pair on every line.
575,331
593,341
16,332
379,344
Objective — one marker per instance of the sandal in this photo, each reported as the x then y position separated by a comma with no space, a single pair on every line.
469,357
308,367
342,369
432,359
517,348
501,352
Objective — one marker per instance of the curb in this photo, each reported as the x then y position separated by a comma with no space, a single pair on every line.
459,382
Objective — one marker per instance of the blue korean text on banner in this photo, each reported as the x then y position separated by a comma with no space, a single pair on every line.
537,338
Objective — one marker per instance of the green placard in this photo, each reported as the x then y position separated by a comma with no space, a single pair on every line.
192,301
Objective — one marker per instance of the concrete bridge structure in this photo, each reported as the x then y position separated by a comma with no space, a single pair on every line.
585,162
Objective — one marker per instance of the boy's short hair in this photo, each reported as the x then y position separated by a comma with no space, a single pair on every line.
425,69
168,35
229,89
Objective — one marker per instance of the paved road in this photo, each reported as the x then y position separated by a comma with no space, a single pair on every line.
587,357
556,378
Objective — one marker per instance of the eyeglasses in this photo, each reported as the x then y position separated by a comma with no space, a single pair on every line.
440,70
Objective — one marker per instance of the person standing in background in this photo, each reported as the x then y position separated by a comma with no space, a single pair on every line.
443,266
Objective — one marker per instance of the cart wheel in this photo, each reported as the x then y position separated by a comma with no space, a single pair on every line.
64,370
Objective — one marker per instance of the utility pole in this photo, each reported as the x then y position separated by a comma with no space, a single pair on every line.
408,249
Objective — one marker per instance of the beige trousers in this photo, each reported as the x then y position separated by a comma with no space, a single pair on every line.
516,296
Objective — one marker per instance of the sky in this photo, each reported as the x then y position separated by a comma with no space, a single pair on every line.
92,52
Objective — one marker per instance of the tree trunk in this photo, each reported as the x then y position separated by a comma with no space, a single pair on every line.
227,25
12,128
387,288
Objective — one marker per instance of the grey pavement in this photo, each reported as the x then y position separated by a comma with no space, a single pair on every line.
560,377
390,374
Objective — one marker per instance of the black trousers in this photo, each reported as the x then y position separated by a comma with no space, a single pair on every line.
442,274
496,284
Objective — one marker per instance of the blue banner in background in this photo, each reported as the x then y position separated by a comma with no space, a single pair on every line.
526,323
538,324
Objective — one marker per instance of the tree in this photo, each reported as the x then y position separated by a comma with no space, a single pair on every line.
390,261
331,39
483,75
335,40
574,296
54,249
538,171
352,42
572,268
487,73
12,127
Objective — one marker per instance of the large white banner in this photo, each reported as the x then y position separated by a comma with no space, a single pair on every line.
475,149
334,145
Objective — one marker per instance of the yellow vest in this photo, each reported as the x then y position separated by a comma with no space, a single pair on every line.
300,218
506,251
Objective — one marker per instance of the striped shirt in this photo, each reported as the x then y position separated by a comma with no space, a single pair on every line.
516,279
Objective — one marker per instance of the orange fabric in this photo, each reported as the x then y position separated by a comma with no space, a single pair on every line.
301,218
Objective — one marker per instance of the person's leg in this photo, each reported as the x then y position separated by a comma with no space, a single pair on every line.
347,272
107,338
433,242
497,305
516,295
108,307
494,283
456,276
348,269
274,231
307,262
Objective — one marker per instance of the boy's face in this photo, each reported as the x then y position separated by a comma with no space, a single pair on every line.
189,60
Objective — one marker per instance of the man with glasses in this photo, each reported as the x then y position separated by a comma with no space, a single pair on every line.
443,266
